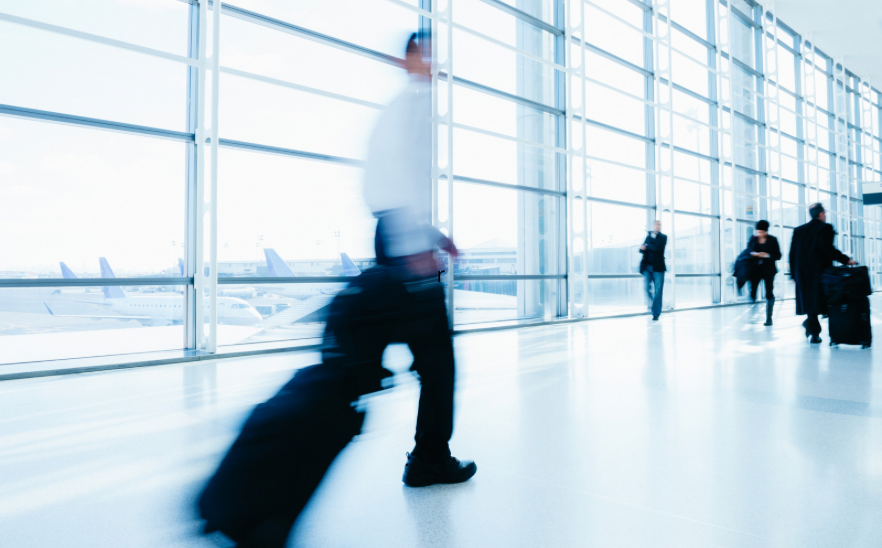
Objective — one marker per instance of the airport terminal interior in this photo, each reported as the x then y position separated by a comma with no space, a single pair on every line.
182,203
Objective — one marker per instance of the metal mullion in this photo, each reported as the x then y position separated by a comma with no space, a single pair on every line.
97,39
267,149
613,129
193,101
694,214
502,94
506,277
94,123
697,154
265,280
610,56
616,202
98,282
289,28
484,182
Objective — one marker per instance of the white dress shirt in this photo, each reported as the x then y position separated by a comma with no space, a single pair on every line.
398,175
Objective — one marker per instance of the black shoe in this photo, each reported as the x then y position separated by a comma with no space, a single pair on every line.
419,473
816,339
655,318
768,322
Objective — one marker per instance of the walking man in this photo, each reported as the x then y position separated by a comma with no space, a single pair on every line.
811,252
652,266
398,190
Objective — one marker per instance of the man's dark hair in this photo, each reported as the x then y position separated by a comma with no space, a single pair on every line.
415,42
762,225
815,210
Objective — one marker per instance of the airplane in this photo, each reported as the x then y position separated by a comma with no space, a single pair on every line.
157,310
276,268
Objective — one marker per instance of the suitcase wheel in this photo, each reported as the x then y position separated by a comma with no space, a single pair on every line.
834,343
866,345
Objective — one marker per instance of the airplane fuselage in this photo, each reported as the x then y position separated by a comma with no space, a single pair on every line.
169,309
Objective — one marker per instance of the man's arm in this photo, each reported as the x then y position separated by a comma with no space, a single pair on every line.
828,249
791,256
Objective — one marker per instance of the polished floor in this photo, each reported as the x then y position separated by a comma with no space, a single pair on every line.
704,429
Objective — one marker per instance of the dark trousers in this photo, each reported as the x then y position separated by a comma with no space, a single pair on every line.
812,325
769,279
423,326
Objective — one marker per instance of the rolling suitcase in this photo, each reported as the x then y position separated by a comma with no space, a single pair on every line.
845,284
288,443
849,323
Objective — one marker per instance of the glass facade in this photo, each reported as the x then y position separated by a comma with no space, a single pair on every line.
563,129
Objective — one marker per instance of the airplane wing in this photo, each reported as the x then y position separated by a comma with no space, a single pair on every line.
300,310
147,320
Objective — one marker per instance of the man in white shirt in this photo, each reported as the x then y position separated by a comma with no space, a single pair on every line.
398,190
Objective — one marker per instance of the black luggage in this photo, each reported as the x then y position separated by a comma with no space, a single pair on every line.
289,442
849,323
845,284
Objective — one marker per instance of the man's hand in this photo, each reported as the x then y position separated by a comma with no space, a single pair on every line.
448,246
643,247
851,262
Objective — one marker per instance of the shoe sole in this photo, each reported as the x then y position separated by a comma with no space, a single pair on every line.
428,480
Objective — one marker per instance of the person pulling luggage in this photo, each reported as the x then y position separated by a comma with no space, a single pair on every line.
764,252
811,252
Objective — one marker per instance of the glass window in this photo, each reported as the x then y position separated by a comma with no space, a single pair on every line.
254,48
53,323
293,119
786,68
743,46
614,146
477,302
609,72
307,212
614,36
485,111
161,25
745,96
616,182
614,238
486,63
614,109
499,25
374,24
607,296
74,195
695,291
98,81
693,245
520,227
493,159
692,14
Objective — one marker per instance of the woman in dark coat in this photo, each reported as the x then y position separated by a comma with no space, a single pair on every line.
764,250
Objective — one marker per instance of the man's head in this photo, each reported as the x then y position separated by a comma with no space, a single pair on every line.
416,55
816,211
657,226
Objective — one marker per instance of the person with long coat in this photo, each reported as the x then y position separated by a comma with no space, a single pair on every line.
811,252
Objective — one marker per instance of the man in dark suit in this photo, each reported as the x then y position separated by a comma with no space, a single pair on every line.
652,266
812,251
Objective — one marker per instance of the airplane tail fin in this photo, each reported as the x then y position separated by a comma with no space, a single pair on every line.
67,273
275,265
181,267
349,268
110,291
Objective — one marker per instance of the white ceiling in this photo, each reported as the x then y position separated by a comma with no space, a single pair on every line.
847,29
